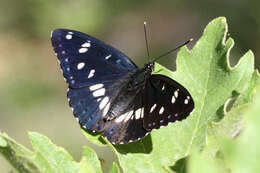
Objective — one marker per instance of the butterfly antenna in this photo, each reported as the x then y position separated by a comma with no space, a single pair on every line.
172,50
146,41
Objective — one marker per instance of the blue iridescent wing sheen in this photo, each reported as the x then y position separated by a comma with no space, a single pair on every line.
90,67
85,60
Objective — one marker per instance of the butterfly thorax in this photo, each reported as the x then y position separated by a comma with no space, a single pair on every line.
132,85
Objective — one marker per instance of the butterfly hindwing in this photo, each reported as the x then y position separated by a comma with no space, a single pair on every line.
85,60
165,101
128,127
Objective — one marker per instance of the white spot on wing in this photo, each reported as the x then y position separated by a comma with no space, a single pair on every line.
129,114
163,87
80,65
152,108
91,73
95,87
86,44
161,110
186,101
176,93
106,109
138,113
83,50
107,57
68,36
99,92
121,118
173,99
103,103
70,32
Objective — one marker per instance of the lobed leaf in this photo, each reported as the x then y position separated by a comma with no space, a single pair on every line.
206,73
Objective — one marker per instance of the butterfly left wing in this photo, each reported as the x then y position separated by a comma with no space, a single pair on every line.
165,101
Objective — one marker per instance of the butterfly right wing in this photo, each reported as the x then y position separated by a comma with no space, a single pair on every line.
166,101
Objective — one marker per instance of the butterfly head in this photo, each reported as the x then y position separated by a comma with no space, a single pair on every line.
149,67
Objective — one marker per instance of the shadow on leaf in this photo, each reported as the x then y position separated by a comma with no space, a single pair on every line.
141,146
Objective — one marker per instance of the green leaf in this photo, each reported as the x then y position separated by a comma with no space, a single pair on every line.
17,155
206,73
3,142
230,126
242,155
89,161
197,163
115,168
47,157
94,138
50,157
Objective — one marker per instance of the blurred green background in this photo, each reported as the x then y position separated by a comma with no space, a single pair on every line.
32,90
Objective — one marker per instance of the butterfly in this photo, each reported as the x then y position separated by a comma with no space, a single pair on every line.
108,93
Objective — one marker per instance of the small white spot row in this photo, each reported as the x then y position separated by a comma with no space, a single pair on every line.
80,65
186,101
91,73
95,87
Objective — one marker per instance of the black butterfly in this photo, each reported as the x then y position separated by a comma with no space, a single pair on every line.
109,93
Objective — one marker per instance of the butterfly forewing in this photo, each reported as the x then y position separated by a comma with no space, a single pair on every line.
85,60
165,101
91,68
